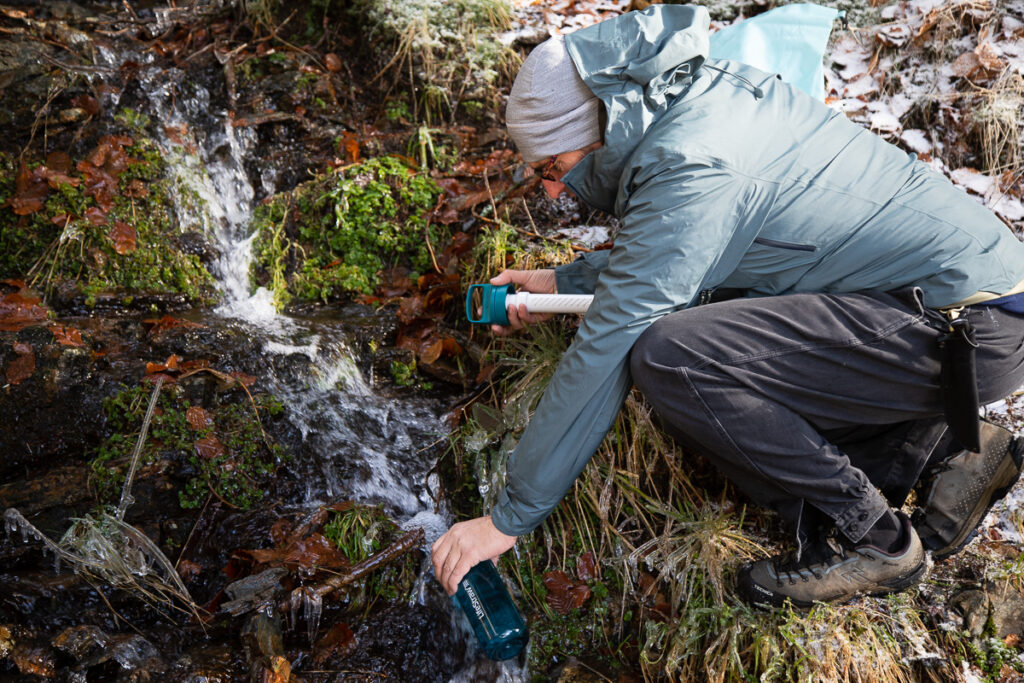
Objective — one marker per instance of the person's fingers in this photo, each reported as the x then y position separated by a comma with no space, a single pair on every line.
505,277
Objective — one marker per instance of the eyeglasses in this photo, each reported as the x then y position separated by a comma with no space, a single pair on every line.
546,172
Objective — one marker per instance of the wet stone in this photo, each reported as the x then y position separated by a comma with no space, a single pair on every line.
80,641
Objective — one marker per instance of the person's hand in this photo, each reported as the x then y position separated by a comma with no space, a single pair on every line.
464,546
537,281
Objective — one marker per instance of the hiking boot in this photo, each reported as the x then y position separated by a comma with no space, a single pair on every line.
955,496
830,571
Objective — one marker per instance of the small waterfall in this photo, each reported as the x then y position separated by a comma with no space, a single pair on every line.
356,444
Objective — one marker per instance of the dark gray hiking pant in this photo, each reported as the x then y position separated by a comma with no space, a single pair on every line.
819,399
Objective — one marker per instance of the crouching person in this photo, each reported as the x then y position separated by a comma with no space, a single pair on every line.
871,305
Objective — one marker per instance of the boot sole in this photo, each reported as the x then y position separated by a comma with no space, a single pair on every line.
1008,471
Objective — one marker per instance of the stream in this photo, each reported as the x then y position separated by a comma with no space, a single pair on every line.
350,442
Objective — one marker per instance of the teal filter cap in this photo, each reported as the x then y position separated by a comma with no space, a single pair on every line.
491,303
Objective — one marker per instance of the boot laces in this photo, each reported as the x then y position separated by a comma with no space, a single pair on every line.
818,555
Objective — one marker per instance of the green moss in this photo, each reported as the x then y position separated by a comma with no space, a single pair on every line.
238,471
333,235
359,532
59,247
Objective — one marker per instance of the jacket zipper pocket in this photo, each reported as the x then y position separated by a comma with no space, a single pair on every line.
785,245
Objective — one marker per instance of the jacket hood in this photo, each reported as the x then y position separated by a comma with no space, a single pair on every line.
637,64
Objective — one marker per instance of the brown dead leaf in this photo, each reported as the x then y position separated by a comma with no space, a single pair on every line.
280,530
96,215
123,236
188,570
166,322
66,335
305,554
199,418
137,189
350,142
278,670
410,308
564,595
338,641
22,365
209,448
59,162
243,379
966,65
988,58
30,190
586,566
332,62
893,35
20,309
87,103
493,162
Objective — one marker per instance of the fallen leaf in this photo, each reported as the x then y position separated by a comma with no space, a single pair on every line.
188,570
199,418
305,554
166,322
988,58
339,640
59,161
30,190
123,236
280,530
277,671
170,364
23,364
87,103
20,309
564,595
350,142
209,448
966,65
96,215
586,566
332,62
66,336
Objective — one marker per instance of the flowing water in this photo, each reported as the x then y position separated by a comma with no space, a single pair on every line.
356,444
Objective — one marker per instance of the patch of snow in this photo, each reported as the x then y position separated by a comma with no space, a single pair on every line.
916,140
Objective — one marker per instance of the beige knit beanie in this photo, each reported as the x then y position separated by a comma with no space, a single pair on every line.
550,110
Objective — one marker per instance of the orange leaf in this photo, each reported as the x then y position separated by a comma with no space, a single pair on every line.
351,144
209,448
198,418
432,353
332,62
123,236
20,309
66,336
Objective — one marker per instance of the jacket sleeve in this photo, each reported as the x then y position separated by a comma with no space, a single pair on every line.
675,229
580,276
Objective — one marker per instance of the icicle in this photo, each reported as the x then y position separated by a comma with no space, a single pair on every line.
293,607
56,563
313,606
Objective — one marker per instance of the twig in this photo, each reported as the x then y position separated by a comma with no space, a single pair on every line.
407,542
126,492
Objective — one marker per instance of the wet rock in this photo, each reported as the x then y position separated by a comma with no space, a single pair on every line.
24,80
1003,604
80,641
133,653
30,655
196,243
253,591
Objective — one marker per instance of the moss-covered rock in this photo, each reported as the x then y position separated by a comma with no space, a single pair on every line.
98,225
334,234
217,449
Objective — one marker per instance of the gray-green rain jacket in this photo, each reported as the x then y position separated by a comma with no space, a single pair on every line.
725,176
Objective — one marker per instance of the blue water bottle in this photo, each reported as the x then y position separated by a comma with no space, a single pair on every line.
496,621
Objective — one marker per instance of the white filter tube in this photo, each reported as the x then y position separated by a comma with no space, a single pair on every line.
550,303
